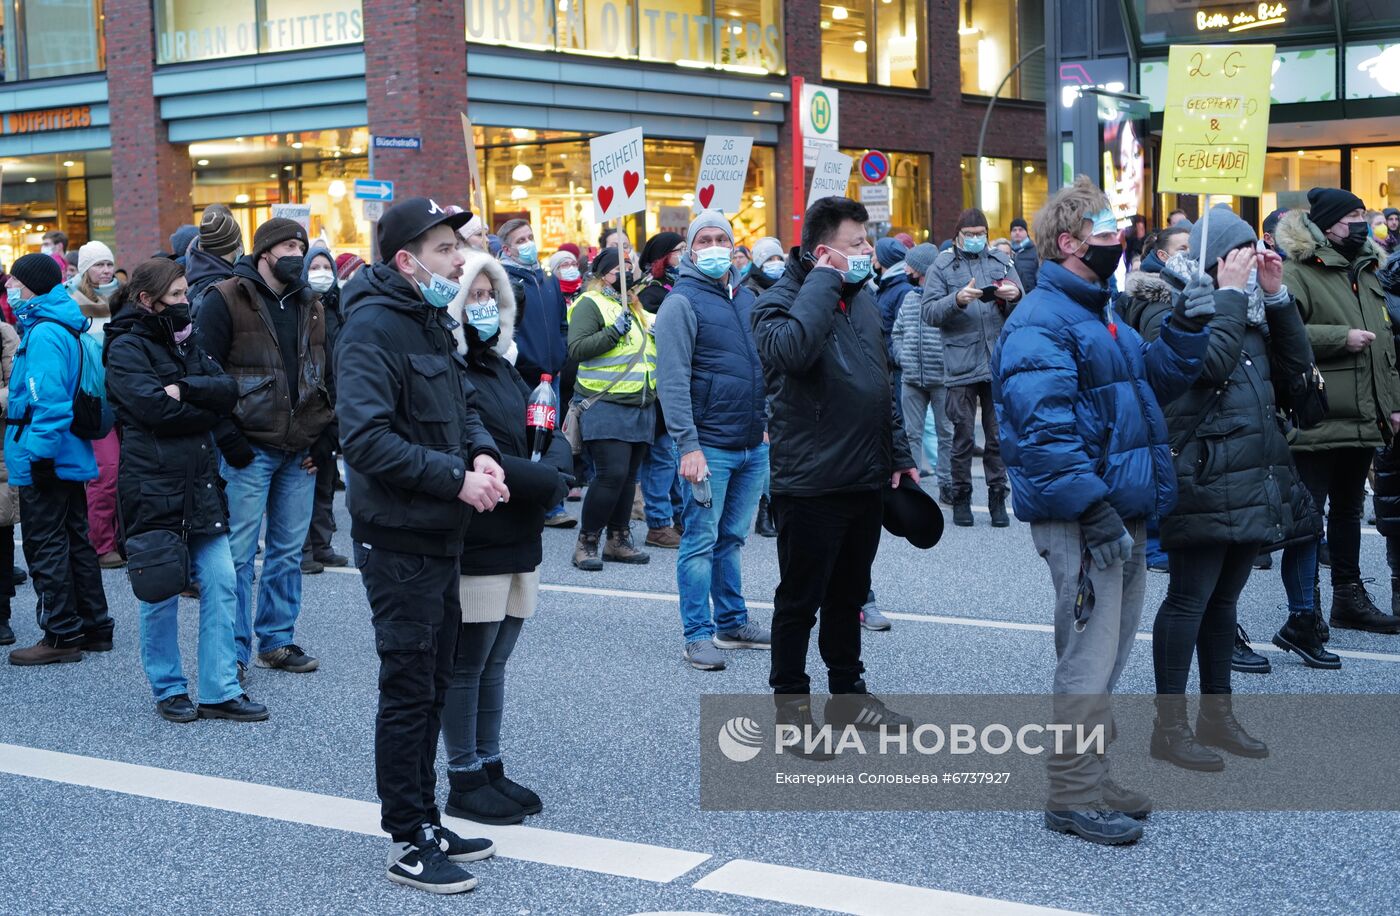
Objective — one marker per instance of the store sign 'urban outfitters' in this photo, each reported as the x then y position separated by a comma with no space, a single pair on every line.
29,122
689,34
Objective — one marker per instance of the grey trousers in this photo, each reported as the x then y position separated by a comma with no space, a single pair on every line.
916,401
1089,663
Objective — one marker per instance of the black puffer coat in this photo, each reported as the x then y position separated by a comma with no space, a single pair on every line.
1235,478
166,442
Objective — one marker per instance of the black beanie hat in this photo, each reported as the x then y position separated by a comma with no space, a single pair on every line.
274,231
1327,206
660,246
1019,223
38,272
604,262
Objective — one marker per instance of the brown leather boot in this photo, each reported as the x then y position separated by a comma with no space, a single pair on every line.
667,537
41,653
586,552
620,548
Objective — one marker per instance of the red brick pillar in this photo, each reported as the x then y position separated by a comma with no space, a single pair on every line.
416,85
802,27
151,190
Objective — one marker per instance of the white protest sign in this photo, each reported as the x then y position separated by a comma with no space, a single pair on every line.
876,200
674,219
299,212
830,177
723,167
618,188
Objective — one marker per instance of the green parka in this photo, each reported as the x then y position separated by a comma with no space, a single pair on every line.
1363,389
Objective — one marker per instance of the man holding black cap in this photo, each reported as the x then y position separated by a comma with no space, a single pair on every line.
1331,271
421,462
49,465
267,329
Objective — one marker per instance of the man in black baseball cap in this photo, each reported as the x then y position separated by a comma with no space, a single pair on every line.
421,463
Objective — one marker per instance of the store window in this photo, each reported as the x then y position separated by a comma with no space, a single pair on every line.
874,41
992,36
745,36
543,176
904,198
1289,175
252,174
1009,188
60,191
189,30
1375,175
44,38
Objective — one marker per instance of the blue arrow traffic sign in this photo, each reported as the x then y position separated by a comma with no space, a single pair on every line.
370,189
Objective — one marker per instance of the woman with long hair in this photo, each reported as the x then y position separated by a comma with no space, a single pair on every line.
174,402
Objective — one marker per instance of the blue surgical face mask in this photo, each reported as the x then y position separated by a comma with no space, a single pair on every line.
744,271
857,267
974,244
105,290
527,253
713,262
439,290
774,269
484,317
567,273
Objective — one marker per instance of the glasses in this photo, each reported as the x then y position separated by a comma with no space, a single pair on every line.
480,295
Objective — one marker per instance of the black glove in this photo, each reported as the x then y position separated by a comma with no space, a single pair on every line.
42,473
238,453
322,451
1105,535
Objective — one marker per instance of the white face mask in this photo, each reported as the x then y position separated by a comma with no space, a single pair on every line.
320,280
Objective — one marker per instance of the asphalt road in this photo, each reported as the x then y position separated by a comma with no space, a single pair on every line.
105,807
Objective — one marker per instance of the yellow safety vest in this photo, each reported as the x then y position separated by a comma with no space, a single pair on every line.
610,368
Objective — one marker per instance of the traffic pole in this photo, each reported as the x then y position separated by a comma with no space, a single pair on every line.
799,163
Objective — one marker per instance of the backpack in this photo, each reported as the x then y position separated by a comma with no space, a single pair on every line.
92,415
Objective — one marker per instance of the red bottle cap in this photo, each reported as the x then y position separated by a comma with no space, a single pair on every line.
546,377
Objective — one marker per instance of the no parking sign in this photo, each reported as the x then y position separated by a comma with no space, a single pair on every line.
874,166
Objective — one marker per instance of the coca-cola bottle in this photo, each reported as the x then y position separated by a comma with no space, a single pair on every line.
541,417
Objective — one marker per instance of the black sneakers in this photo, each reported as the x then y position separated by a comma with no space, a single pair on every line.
289,658
177,709
423,864
1097,825
462,849
863,710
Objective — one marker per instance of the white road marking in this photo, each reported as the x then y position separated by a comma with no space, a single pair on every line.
1145,636
532,844
845,894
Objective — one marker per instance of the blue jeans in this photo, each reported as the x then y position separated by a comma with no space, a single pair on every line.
212,566
661,485
275,485
708,566
1299,572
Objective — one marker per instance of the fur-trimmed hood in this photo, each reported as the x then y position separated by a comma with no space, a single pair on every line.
1299,238
478,261
1150,287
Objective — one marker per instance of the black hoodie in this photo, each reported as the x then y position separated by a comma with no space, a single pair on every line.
409,427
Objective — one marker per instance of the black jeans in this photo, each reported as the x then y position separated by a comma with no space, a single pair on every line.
62,563
7,570
826,545
608,502
1337,478
417,612
963,401
1199,614
318,535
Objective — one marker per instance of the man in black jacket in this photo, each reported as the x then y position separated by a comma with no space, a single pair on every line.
836,441
421,461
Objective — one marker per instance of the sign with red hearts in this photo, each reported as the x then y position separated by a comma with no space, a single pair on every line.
618,188
724,165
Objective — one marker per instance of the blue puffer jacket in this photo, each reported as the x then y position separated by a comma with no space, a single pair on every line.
42,386
891,289
542,325
1077,397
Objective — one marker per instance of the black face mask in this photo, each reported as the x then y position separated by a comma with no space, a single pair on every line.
171,320
288,269
1351,246
617,284
1102,260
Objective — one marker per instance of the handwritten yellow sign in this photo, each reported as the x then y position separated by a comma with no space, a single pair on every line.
1257,16
1215,129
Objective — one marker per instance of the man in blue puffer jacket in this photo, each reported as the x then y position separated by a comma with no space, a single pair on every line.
50,466
1077,399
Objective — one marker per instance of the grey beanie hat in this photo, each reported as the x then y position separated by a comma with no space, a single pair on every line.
921,257
707,219
767,248
1227,231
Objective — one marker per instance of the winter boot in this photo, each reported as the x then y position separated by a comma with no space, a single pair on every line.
996,504
620,549
7,635
1300,635
525,798
586,552
476,799
1173,741
962,510
1352,609
1217,727
763,525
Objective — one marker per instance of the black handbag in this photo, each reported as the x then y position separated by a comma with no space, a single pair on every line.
158,562
1303,397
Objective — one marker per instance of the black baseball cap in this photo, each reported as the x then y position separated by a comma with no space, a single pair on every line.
410,218
1271,221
